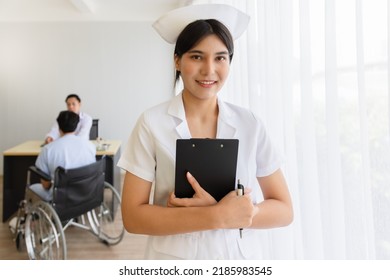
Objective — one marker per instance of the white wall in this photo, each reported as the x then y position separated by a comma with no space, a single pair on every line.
118,68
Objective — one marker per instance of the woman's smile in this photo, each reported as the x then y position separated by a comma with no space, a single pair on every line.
206,83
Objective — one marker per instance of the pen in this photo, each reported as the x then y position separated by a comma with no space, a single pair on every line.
240,192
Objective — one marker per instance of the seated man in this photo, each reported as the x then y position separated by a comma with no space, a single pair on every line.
68,151
73,104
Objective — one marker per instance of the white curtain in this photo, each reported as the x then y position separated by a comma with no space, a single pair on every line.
316,72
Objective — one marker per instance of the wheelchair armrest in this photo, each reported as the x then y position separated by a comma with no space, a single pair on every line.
40,173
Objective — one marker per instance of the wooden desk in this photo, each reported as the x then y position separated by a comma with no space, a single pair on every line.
18,159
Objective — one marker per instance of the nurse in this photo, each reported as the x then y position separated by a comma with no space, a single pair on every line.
200,227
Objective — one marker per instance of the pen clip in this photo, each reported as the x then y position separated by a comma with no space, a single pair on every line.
240,192
240,189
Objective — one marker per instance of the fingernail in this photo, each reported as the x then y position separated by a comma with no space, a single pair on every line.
189,174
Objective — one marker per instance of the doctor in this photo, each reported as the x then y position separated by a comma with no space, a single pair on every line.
200,227
73,104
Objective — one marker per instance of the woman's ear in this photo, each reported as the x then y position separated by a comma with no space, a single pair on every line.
177,62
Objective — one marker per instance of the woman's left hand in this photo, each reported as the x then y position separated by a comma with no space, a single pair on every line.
200,198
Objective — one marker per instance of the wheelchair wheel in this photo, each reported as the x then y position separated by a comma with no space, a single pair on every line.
45,239
106,220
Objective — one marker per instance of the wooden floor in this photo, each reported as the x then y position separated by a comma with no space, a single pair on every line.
81,245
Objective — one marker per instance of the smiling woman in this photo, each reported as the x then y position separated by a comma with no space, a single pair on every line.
200,227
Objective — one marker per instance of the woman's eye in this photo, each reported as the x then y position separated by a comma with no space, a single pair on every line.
221,58
196,57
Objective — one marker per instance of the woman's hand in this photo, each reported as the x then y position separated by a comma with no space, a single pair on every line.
200,198
236,211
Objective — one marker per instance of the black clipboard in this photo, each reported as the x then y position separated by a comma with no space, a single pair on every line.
212,162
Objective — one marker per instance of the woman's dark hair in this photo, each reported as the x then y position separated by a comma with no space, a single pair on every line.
73,96
196,31
67,121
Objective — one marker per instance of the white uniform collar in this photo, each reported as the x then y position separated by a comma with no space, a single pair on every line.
226,125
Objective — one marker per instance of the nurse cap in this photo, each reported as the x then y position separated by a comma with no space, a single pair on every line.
170,25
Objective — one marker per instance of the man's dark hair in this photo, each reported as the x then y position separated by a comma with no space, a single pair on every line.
67,121
73,95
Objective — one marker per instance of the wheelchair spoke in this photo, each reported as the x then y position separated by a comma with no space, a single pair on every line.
44,235
106,220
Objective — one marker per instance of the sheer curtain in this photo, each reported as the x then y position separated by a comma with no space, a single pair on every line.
316,72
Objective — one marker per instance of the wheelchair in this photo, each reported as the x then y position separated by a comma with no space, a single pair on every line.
81,198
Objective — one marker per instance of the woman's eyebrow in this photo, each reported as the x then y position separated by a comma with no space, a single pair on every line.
195,51
200,52
222,53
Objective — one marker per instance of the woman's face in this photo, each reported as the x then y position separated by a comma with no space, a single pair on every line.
204,68
73,105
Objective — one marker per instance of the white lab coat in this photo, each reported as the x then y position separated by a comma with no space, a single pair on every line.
150,154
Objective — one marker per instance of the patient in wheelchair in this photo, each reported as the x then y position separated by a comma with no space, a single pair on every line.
69,151
73,192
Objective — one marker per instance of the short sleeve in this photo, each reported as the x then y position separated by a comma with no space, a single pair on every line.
268,158
42,161
139,157
85,126
54,132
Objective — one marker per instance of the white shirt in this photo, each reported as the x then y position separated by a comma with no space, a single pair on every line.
83,127
150,154
68,151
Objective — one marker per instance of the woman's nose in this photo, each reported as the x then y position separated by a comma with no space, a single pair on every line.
208,67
